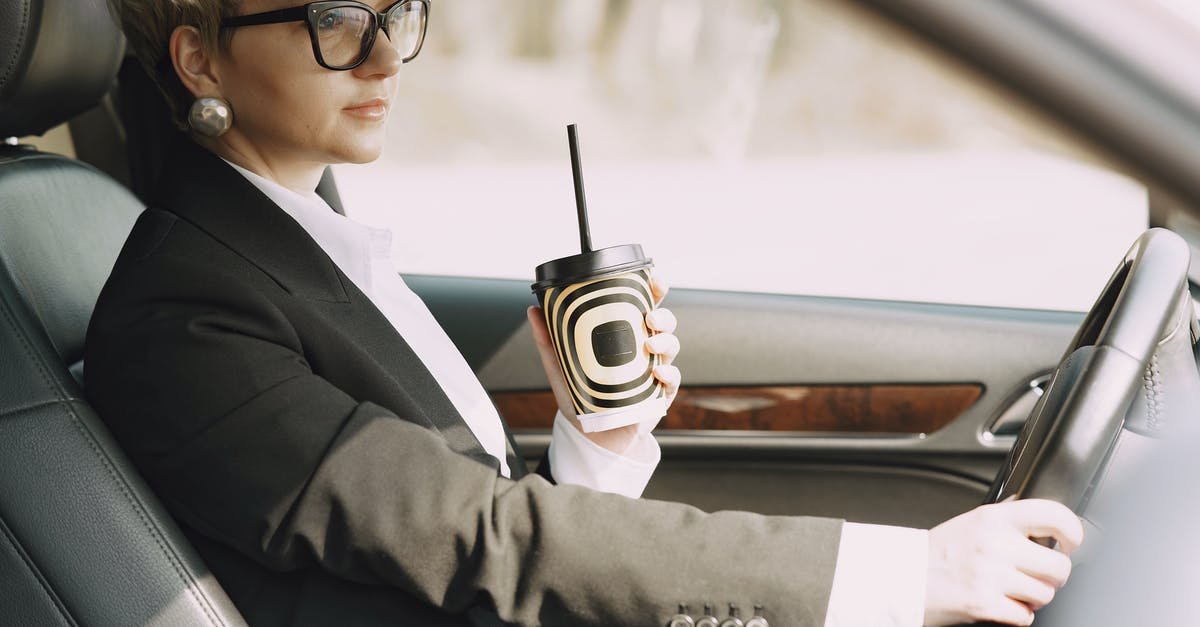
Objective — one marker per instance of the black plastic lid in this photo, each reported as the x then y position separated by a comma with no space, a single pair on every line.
584,266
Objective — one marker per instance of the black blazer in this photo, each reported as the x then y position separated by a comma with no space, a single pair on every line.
325,477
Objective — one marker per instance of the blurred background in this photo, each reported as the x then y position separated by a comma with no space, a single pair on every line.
798,146
691,79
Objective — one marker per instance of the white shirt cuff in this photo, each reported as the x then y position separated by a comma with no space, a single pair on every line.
880,577
576,460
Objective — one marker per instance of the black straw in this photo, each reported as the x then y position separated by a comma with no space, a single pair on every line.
585,231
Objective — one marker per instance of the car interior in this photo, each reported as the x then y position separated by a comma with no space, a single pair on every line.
84,541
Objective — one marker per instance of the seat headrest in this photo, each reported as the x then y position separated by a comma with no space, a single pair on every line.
57,58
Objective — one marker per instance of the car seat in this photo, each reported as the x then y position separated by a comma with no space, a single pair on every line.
83,541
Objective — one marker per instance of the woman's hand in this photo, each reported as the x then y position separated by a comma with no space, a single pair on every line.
662,342
983,565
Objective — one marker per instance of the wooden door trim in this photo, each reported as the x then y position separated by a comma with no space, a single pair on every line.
866,409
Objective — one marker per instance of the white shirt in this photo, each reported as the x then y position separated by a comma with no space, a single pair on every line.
879,579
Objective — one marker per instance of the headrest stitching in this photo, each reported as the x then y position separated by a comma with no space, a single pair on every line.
12,61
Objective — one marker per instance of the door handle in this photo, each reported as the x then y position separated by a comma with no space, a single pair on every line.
1016,413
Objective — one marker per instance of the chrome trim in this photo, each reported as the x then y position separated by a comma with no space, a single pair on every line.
1012,418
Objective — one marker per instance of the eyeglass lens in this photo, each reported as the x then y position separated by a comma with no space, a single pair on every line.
343,33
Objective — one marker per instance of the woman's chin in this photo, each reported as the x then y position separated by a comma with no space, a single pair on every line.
354,143
364,152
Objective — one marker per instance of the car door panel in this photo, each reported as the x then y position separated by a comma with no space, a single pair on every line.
853,352
904,495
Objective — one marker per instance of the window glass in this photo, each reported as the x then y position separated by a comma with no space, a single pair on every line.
794,146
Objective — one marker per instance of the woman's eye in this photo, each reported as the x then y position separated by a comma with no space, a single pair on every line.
330,20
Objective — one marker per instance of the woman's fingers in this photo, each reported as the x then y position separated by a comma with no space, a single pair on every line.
1041,518
1010,612
670,377
1048,565
661,320
663,342
983,566
1031,591
665,345
658,289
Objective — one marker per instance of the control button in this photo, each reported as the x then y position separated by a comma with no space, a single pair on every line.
758,620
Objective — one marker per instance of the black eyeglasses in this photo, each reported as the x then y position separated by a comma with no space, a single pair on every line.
343,31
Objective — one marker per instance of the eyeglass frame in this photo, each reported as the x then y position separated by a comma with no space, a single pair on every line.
310,12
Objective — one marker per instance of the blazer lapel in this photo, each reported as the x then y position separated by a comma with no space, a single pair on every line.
395,355
204,190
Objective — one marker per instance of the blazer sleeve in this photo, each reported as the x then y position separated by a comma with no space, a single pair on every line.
205,383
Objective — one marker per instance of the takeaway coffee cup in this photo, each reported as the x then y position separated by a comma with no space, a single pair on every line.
595,305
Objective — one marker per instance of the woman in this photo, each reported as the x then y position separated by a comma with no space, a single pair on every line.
329,452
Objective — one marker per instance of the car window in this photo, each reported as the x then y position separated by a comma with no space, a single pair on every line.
802,147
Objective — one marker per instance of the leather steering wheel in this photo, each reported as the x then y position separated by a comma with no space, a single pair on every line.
1129,373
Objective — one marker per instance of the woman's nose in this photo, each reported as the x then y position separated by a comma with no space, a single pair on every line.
384,59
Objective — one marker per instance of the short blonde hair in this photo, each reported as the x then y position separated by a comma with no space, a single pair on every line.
148,25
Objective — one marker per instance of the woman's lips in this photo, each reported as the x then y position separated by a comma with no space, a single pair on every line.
374,109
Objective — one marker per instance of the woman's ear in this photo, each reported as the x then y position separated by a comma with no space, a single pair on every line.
193,63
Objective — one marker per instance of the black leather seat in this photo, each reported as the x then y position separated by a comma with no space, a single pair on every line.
82,539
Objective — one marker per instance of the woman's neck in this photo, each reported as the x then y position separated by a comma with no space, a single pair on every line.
300,177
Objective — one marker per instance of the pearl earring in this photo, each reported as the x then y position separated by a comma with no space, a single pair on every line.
210,116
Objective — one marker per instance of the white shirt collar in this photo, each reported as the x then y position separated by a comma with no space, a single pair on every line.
348,243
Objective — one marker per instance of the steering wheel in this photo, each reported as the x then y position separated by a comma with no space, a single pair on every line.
1129,374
